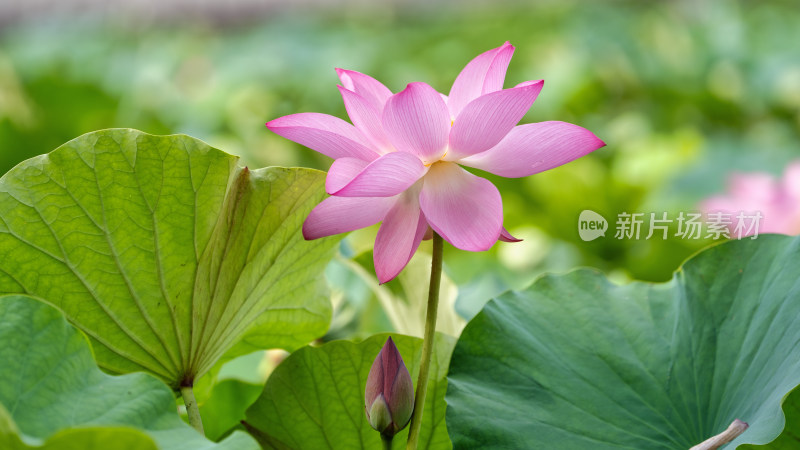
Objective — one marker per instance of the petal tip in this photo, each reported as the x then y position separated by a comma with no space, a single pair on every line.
307,234
276,123
344,77
417,85
538,84
384,278
385,270
384,273
598,143
505,236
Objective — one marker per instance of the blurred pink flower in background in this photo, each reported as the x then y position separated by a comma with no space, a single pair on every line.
778,200
400,161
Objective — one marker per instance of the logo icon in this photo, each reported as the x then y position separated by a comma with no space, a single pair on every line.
591,225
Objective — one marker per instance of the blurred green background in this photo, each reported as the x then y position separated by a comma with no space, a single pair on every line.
683,92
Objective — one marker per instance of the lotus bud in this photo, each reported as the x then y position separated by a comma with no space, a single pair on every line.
390,393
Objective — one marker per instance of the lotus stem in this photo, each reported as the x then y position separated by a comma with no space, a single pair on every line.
736,428
387,441
192,410
427,343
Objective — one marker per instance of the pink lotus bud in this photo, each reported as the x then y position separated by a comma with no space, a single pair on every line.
390,393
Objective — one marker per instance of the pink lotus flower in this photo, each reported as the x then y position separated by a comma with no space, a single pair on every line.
778,200
400,162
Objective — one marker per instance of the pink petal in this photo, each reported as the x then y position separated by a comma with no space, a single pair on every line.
370,89
465,209
342,171
529,83
387,176
416,121
399,236
505,236
791,181
366,118
534,148
486,120
755,187
484,74
342,214
723,204
326,134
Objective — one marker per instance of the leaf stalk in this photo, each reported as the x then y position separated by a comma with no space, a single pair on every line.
192,410
736,428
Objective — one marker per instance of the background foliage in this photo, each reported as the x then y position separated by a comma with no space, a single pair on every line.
683,92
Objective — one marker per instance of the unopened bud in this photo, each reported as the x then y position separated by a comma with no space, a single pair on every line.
390,393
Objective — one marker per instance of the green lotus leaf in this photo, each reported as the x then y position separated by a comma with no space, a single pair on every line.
575,361
163,251
53,395
315,398
790,437
85,438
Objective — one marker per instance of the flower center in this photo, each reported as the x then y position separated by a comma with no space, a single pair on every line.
436,160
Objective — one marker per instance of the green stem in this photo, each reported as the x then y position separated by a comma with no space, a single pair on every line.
427,343
192,409
387,441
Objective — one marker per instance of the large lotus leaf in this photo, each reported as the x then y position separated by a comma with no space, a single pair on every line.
790,438
163,251
52,392
86,438
575,361
315,398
